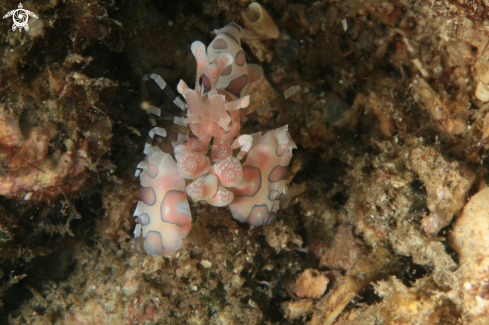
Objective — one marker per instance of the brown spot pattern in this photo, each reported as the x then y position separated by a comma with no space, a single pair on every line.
227,70
236,86
226,95
258,215
233,24
153,171
232,37
240,58
278,174
206,83
147,195
251,183
219,44
143,219
169,212
153,244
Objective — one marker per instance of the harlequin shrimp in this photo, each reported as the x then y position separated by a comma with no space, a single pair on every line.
215,110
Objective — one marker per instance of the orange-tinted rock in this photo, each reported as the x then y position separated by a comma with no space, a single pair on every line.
311,284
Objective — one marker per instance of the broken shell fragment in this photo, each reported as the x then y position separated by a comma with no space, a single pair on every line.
259,21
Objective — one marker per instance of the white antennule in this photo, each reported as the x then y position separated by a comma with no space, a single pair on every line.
198,50
237,104
182,85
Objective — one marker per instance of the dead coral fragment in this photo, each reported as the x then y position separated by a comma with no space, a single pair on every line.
347,287
383,110
400,304
390,15
405,299
345,250
460,53
439,110
34,148
424,250
281,237
429,98
295,309
446,184
30,169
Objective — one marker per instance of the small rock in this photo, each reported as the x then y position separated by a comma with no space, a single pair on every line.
460,53
390,16
130,286
311,284
470,239
206,263
470,235
482,92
